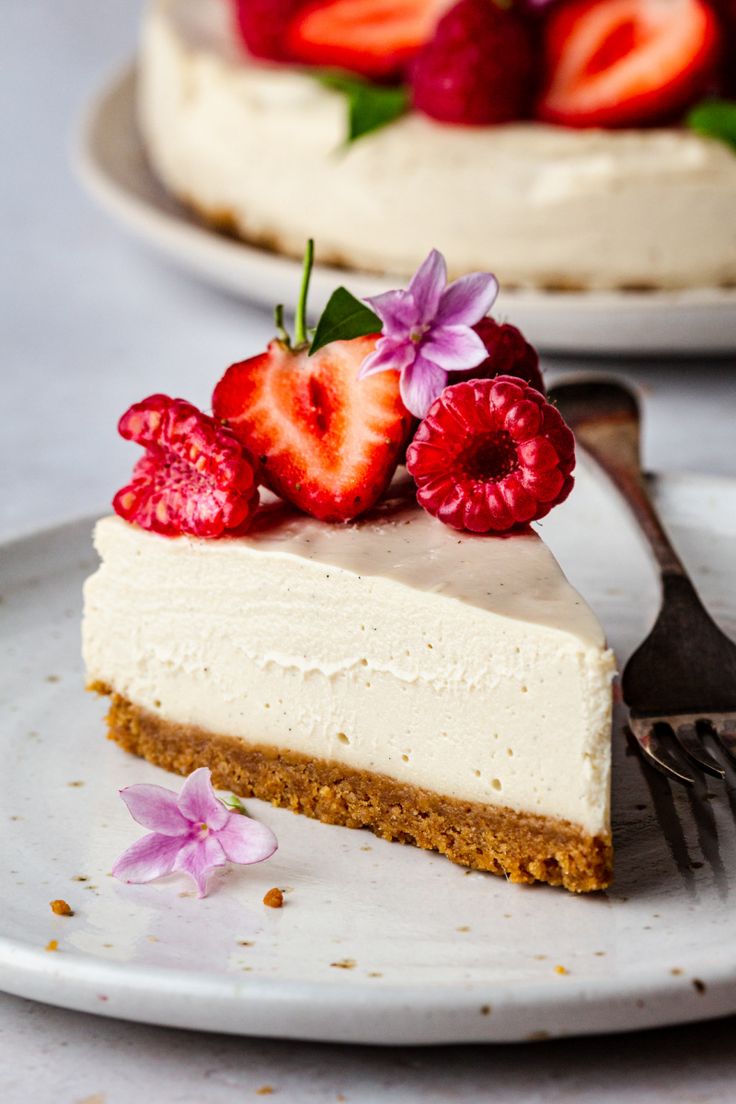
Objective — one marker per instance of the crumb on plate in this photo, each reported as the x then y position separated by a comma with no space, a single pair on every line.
61,908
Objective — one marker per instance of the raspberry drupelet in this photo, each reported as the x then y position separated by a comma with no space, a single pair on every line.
195,477
491,456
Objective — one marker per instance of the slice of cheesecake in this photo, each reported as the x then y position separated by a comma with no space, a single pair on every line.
442,689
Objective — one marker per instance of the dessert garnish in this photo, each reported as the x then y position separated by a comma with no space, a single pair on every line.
376,38
607,63
508,354
491,455
192,832
263,26
195,477
427,330
478,67
329,413
627,62
327,440
370,106
715,119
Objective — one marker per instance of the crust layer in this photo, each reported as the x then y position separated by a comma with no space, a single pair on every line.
521,846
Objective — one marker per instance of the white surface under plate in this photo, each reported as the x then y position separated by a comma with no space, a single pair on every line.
377,942
113,166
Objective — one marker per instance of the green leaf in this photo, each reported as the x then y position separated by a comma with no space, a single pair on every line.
370,106
344,318
715,119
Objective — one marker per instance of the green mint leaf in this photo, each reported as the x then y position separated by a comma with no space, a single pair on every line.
715,119
344,318
370,106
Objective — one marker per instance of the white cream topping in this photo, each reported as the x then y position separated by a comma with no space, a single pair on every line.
263,145
463,664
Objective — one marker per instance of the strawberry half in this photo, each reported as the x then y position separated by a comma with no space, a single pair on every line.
327,441
617,63
376,38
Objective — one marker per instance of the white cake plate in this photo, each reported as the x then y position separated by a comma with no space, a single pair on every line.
377,943
112,165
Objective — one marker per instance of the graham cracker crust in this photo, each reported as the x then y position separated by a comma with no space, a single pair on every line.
522,847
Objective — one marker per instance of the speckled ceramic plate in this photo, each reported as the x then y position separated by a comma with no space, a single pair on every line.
377,943
113,167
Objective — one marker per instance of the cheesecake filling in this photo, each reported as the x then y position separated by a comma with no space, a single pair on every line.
463,665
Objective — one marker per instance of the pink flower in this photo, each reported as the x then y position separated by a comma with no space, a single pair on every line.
427,330
192,832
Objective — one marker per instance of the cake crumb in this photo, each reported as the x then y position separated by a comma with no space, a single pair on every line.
52,945
245,942
265,1090
698,986
61,908
561,970
485,1010
345,964
274,898
464,928
676,971
76,784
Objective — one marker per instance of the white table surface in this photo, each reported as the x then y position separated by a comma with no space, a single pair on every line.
90,322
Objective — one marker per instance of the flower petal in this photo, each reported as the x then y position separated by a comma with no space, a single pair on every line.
198,857
427,286
148,858
420,385
389,354
467,300
198,803
397,310
453,348
156,808
245,840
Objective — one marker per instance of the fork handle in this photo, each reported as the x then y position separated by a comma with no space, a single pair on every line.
614,441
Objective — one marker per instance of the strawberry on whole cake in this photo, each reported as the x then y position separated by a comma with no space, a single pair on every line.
568,143
281,601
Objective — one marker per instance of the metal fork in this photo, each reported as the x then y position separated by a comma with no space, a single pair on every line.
680,684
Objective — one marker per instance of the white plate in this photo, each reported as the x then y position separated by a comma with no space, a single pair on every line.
440,954
112,165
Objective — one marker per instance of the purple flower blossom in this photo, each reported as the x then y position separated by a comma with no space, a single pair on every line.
192,832
427,330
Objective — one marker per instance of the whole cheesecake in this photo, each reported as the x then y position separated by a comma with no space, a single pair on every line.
440,688
258,149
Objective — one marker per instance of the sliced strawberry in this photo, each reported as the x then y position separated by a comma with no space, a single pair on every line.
627,62
327,441
262,25
376,38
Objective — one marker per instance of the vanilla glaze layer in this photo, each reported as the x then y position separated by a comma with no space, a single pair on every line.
261,148
463,664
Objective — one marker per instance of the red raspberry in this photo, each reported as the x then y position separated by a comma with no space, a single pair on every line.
509,354
263,25
491,455
195,477
478,68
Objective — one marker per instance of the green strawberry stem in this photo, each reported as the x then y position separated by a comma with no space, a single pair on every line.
300,322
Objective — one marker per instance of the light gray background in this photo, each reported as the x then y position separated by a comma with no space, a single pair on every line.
89,323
